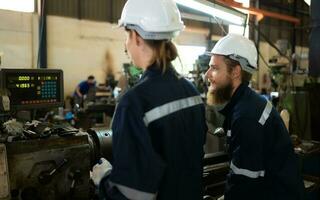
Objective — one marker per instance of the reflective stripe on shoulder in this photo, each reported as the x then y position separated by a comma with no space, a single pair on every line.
133,194
171,107
246,172
266,113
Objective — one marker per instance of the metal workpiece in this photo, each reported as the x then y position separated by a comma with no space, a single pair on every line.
101,141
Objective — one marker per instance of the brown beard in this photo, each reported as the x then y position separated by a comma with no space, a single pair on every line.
223,94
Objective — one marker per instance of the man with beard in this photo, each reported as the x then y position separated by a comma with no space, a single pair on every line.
263,164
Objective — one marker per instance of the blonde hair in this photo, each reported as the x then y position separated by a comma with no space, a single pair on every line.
165,52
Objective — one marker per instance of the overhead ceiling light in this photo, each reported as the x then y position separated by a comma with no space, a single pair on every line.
214,10
17,5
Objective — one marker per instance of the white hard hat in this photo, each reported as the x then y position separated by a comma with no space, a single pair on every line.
152,19
239,48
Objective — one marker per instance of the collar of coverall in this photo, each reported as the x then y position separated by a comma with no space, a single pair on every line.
234,99
154,69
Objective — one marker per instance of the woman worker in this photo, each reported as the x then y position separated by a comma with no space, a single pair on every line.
159,125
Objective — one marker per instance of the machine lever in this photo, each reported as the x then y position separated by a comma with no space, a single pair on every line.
46,176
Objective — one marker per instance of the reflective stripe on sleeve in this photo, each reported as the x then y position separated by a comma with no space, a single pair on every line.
266,113
246,172
171,107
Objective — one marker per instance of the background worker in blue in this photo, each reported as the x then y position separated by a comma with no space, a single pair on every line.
159,125
83,89
263,164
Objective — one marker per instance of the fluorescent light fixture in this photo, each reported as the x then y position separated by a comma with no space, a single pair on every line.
213,10
17,5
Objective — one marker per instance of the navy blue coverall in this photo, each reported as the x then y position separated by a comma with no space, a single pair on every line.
263,163
158,136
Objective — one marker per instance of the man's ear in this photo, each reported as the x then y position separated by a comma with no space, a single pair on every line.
236,72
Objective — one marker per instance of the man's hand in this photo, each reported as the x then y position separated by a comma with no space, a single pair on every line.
100,170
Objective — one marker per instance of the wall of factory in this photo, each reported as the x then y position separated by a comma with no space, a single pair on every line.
78,47
18,39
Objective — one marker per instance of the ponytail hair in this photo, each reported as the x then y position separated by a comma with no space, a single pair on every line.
165,52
